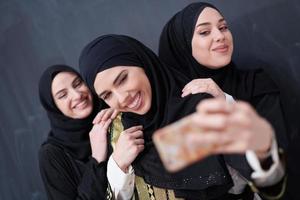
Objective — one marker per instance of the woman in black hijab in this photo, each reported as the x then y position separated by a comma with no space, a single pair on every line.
197,42
72,166
128,76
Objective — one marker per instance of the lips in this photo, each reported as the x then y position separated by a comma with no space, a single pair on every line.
221,49
136,102
81,104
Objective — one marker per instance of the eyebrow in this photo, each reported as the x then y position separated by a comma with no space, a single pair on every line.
208,23
117,79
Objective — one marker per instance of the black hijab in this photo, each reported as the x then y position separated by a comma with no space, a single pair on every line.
175,49
206,179
70,134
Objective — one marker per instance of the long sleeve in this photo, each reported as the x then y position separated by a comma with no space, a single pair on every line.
229,98
65,178
266,177
268,105
122,184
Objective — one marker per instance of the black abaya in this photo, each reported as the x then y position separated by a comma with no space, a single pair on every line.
67,168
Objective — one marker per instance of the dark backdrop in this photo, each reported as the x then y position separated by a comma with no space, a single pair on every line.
36,33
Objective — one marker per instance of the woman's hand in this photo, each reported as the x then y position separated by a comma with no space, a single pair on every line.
128,146
98,134
105,114
202,85
231,128
98,140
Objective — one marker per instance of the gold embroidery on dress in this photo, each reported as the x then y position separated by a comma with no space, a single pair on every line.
144,191
147,192
116,130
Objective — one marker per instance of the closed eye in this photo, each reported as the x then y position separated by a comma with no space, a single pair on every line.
106,96
61,95
120,79
223,28
77,82
204,33
123,78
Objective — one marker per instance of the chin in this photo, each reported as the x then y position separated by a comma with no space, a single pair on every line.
142,111
145,110
227,61
216,66
221,64
85,113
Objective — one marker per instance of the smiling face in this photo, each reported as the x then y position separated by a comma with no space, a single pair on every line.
71,95
125,88
212,43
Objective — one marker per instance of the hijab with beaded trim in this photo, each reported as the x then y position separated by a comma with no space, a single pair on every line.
208,178
70,134
175,49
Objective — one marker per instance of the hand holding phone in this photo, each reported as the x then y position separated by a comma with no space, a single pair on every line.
174,148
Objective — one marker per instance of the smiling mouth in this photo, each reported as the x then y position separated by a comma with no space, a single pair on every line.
82,104
137,102
221,49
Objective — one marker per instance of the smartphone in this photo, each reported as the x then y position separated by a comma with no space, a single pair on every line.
174,147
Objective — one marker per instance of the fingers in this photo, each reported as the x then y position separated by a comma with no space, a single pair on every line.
194,90
135,150
209,139
245,108
243,115
206,85
98,117
106,124
105,114
102,115
132,133
101,127
218,142
200,81
133,143
135,134
235,147
140,148
114,114
212,114
214,106
216,121
240,128
133,129
195,86
239,119
187,86
139,141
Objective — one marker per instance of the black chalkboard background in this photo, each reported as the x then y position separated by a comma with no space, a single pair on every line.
36,33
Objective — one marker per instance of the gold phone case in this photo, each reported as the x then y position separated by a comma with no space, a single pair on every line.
175,150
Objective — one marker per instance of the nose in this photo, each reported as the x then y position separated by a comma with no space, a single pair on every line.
218,35
75,94
122,98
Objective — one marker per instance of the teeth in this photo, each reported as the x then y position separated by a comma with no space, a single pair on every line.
81,104
135,103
